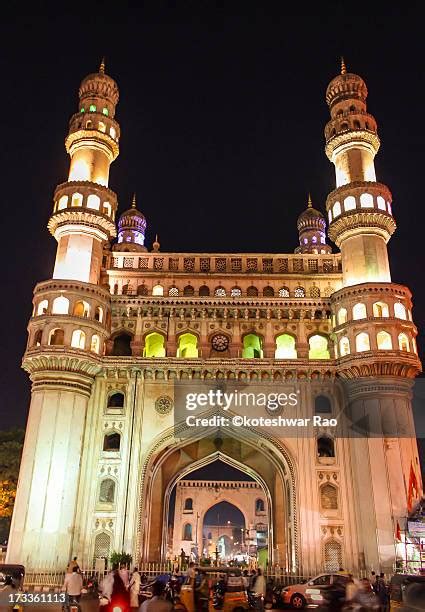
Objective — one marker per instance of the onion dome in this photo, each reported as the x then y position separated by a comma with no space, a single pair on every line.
99,86
311,227
131,230
345,86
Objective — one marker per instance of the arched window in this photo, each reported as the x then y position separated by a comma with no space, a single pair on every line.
101,126
259,506
399,310
107,491
112,442
173,292
268,292
95,344
252,291
92,108
220,292
124,289
356,124
204,291
188,290
285,347
384,341
336,210
403,342
158,290
154,345
188,504
63,202
122,346
344,346
366,200
359,311
78,339
381,203
142,290
344,126
322,405
107,210
60,305
93,201
252,347
329,497
187,346
236,292
42,307
105,111
98,314
349,203
37,337
187,531
284,292
77,199
299,292
89,124
362,342
102,545
314,292
319,347
325,447
342,316
116,400
81,309
380,309
56,337
112,132
333,556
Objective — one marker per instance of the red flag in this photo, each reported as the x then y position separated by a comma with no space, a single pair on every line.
413,487
398,532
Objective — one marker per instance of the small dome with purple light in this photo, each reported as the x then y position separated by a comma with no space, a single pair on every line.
131,230
311,227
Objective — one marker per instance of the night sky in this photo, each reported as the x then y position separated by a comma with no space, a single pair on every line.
222,114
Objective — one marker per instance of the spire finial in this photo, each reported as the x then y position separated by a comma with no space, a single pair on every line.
343,66
102,66
309,202
156,245
133,201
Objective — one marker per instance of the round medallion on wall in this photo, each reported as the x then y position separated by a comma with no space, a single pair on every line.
220,342
164,404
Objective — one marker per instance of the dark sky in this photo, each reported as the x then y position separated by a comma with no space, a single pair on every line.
222,114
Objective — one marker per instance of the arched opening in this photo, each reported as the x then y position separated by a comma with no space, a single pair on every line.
399,310
112,442
154,345
93,201
366,200
380,309
60,305
42,307
98,314
319,347
220,292
322,405
102,546
252,347
332,556
95,344
158,290
188,290
284,292
142,290
107,491
78,339
204,291
299,292
122,345
285,347
381,203
344,346
384,341
77,199
173,292
81,309
349,203
259,506
336,209
38,337
187,532
403,342
63,202
325,447
236,292
56,337
268,292
188,504
329,497
252,291
362,342
187,346
116,400
359,311
342,316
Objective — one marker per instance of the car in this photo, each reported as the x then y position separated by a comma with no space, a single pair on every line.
407,592
300,595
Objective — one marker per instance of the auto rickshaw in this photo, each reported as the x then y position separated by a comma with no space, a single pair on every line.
16,572
407,593
234,597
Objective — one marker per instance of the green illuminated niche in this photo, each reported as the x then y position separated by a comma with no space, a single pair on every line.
188,346
92,108
154,345
82,110
105,111
318,347
285,347
252,347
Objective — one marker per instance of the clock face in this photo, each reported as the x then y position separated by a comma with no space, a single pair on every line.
220,342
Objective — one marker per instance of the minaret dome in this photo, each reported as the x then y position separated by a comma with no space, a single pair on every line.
131,230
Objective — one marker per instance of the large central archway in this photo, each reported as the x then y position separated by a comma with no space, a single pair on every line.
172,456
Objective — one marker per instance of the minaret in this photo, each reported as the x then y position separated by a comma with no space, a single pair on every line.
131,230
67,334
84,209
359,209
311,227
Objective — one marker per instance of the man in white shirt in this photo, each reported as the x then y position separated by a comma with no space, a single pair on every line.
73,584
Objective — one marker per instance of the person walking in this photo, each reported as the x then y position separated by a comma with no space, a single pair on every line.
157,603
124,574
259,588
73,584
381,591
134,588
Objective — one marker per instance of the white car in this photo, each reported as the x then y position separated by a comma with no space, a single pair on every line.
300,595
